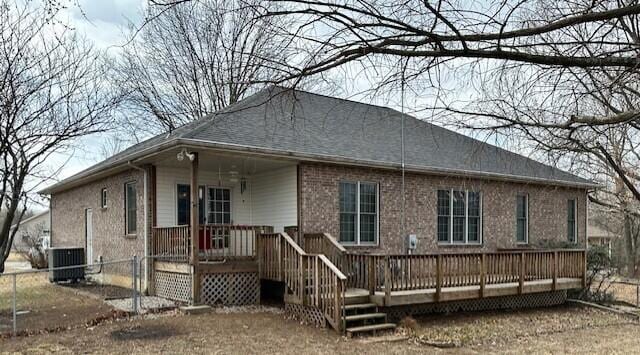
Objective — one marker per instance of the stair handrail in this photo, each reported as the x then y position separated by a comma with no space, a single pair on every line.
310,271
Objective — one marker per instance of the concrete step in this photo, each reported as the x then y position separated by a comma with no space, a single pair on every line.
370,328
351,307
365,316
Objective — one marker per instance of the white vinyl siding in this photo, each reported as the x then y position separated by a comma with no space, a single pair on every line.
270,197
168,179
274,198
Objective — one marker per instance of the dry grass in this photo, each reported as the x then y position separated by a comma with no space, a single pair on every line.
482,328
43,305
554,330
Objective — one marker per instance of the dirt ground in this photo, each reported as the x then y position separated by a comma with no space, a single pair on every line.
558,330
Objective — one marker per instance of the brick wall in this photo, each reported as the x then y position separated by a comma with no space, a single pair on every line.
547,208
109,239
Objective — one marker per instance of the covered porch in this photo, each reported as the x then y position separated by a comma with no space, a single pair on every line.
207,209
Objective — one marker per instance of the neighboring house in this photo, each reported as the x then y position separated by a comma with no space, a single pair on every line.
36,228
326,169
599,236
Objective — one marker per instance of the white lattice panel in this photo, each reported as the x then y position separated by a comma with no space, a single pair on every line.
173,286
238,288
530,300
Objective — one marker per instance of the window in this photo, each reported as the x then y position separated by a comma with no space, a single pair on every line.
571,221
522,218
444,215
459,217
103,198
183,207
358,212
219,204
130,207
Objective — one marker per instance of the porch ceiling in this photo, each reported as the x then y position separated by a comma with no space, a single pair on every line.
243,164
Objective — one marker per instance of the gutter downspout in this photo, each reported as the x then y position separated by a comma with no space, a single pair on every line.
146,222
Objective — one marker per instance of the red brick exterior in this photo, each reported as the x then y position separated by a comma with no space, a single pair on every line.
319,208
109,240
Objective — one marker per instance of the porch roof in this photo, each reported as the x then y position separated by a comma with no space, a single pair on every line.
306,126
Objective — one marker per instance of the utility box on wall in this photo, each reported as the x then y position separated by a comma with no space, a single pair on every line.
412,242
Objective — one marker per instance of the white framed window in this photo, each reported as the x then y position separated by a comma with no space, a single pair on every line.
103,197
218,205
359,213
459,218
572,226
522,219
130,206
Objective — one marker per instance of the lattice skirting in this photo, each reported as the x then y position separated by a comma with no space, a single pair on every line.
530,300
310,315
173,286
239,288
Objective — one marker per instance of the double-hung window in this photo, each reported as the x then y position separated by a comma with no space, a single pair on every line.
522,219
358,212
572,230
219,208
459,217
130,206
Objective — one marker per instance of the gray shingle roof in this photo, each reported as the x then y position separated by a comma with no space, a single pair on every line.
307,124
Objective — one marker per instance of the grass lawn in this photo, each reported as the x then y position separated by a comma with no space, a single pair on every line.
556,330
43,305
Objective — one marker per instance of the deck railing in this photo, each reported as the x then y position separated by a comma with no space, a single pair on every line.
215,241
312,279
389,273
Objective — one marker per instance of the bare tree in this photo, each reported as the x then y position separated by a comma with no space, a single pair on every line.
53,90
194,58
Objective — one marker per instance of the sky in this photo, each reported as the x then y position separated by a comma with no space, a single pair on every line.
104,22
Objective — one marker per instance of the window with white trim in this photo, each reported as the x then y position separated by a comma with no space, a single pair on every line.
572,230
130,206
358,212
459,217
219,205
103,197
522,219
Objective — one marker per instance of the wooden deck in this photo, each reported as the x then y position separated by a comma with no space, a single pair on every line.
325,277
458,293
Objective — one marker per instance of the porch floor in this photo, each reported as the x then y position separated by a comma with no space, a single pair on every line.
408,297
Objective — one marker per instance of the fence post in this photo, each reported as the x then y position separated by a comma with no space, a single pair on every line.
15,326
134,275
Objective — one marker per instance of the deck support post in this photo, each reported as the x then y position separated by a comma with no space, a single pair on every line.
387,280
521,278
483,273
438,277
371,270
194,232
584,268
303,273
554,283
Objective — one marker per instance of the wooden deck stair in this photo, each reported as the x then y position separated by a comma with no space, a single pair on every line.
362,316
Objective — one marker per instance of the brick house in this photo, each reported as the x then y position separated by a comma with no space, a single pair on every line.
323,176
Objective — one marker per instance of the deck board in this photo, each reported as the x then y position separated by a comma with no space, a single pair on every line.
457,293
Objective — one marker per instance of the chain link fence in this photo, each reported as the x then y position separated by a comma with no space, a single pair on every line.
31,303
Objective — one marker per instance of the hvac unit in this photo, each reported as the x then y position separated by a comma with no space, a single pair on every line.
60,260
